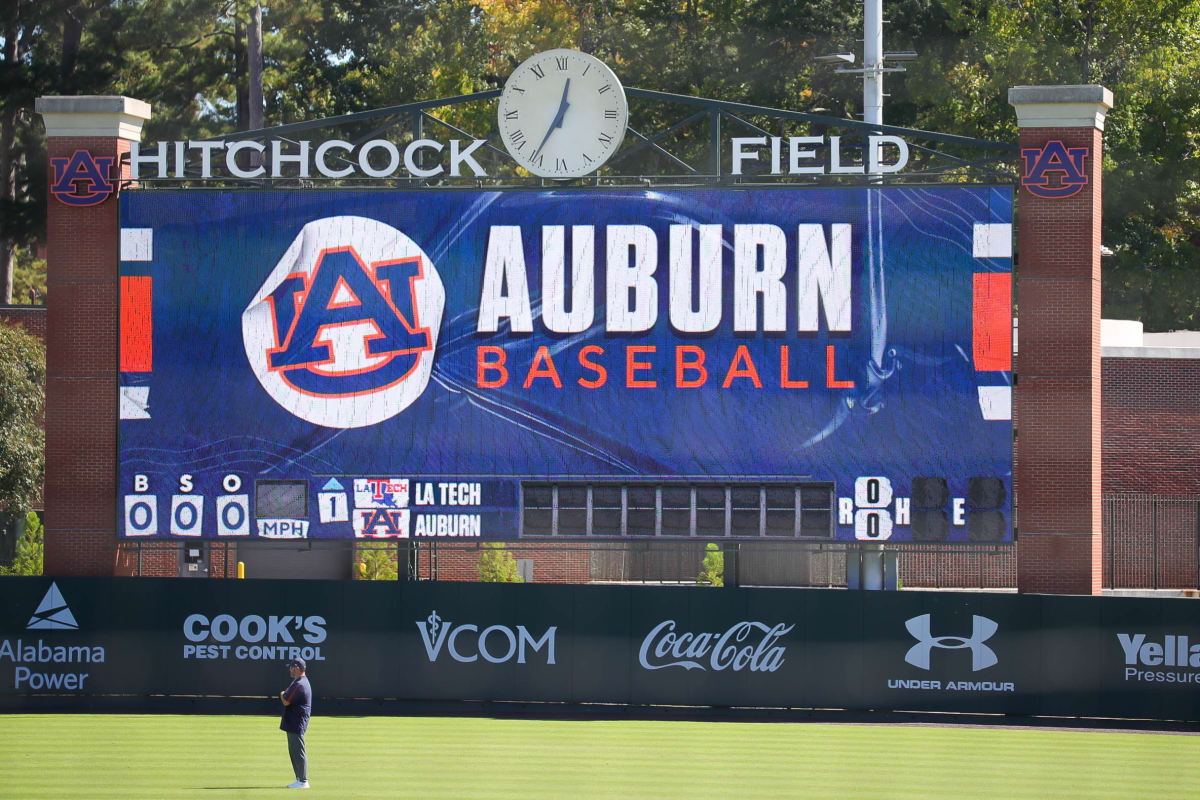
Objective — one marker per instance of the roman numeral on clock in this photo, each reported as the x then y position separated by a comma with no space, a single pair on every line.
518,139
560,62
605,138
610,113
511,114
536,69
606,87
560,165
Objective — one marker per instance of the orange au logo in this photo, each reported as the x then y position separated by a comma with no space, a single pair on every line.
82,180
1054,158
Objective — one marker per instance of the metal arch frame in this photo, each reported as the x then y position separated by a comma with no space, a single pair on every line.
994,158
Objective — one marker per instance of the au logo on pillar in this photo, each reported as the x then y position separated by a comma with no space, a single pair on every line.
82,179
1054,158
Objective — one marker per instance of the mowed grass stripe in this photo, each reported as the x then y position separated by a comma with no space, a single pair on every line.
197,756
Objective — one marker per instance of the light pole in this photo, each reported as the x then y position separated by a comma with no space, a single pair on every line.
875,61
871,572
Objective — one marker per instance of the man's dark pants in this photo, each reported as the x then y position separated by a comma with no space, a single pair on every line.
298,754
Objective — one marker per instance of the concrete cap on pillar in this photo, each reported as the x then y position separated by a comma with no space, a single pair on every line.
1080,106
93,115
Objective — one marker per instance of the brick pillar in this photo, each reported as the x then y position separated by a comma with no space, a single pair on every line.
1057,396
83,239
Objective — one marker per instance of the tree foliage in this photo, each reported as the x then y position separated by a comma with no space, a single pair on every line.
1148,53
30,549
331,57
22,403
497,564
377,561
44,52
712,569
29,277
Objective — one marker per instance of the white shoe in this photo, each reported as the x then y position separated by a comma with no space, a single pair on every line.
298,785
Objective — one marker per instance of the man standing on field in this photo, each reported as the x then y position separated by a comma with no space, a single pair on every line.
297,707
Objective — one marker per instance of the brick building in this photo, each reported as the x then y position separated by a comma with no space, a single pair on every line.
31,318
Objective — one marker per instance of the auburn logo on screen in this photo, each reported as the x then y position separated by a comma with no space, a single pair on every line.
342,333
347,319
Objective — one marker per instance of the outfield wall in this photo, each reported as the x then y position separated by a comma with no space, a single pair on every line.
78,641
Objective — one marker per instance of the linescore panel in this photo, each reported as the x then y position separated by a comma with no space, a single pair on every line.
334,507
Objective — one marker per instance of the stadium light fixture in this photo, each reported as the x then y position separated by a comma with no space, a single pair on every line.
874,61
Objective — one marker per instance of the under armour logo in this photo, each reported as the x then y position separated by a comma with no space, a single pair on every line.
982,629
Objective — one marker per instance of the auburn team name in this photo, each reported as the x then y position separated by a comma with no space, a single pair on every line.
709,275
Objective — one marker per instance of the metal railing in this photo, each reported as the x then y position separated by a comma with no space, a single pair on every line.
1151,542
671,139
757,562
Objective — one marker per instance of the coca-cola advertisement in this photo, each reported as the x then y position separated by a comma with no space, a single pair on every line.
748,646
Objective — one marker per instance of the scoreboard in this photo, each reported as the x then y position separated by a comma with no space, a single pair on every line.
810,363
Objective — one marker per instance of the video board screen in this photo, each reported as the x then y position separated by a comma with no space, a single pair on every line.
811,363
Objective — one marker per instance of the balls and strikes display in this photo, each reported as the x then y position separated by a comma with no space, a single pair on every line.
562,114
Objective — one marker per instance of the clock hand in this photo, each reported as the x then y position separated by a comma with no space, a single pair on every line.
558,119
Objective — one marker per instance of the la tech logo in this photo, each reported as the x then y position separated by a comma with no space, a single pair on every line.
1054,159
82,180
342,332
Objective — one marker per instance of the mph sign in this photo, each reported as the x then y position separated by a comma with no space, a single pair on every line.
824,363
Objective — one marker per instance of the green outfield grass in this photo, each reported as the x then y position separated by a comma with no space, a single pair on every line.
94,756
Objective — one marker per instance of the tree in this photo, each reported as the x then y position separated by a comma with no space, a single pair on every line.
712,570
377,561
1148,53
193,60
22,403
41,54
30,549
188,58
497,564
29,277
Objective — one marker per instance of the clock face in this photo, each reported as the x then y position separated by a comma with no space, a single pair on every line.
562,114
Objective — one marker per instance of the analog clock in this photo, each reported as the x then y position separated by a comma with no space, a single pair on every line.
562,114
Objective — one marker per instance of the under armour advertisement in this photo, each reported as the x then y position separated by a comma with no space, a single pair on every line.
68,642
820,363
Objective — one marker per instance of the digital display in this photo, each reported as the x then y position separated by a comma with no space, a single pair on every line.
816,363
